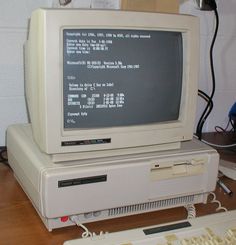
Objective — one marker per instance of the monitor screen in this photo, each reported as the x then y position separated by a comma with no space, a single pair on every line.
121,77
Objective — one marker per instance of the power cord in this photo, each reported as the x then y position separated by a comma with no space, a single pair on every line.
86,232
219,129
232,116
209,108
3,156
216,145
209,105
191,210
64,2
214,200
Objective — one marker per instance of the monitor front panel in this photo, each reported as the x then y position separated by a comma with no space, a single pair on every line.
118,77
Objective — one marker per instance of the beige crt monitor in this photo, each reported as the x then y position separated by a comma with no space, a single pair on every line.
101,83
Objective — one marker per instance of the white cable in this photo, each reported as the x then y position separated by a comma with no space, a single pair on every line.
216,145
191,211
217,202
86,232
219,146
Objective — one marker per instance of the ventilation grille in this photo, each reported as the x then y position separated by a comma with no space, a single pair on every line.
178,201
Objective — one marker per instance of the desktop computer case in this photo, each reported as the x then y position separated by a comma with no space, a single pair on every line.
111,187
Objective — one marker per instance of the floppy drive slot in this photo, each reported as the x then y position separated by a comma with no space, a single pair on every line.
169,170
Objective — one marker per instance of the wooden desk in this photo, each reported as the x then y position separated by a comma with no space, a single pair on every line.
20,223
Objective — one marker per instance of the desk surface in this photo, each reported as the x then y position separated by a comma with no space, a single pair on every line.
20,223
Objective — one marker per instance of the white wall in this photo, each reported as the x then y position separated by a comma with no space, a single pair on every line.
14,16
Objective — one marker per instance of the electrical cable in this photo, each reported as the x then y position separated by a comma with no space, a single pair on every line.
216,145
64,2
86,232
219,129
3,156
207,99
208,107
214,200
233,123
191,210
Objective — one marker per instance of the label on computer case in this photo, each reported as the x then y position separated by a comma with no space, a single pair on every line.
82,181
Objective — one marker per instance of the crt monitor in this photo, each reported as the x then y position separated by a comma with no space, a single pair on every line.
111,82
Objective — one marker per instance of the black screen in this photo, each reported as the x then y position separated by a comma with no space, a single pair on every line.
121,77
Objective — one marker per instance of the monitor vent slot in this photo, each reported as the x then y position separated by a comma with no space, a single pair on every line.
142,207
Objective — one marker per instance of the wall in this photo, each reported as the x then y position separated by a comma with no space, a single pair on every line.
14,16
